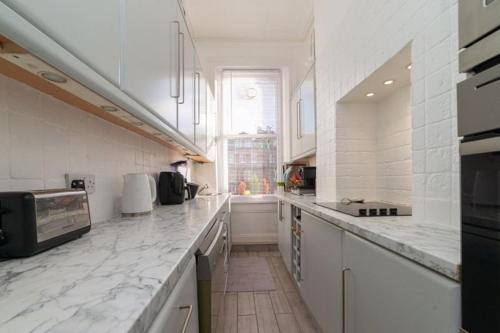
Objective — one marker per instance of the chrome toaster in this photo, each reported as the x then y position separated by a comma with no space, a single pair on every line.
32,222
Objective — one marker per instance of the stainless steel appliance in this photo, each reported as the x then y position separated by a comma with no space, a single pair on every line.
479,33
365,209
479,125
480,176
212,272
32,222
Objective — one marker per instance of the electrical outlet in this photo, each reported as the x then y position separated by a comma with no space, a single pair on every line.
88,179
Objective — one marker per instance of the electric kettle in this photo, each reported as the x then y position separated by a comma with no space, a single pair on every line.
139,193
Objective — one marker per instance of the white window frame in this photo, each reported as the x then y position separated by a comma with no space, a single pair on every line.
221,137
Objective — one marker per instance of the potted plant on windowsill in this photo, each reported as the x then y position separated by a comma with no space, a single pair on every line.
280,186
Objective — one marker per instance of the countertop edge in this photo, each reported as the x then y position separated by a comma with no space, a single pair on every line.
148,315
428,260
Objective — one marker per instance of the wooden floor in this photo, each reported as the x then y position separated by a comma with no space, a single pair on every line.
281,310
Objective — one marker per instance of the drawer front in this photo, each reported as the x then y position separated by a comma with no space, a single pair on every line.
179,314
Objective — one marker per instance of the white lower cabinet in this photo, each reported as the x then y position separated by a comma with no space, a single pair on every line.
386,293
181,307
321,284
285,233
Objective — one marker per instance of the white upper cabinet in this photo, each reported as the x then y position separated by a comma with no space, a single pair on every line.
151,71
186,101
307,111
388,293
89,29
201,98
303,117
296,143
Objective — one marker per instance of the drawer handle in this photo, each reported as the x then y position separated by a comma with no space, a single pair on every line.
344,299
188,317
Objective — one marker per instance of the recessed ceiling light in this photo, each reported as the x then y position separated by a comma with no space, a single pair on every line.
54,77
409,66
370,94
109,108
388,82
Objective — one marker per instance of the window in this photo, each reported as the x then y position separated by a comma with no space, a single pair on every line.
251,102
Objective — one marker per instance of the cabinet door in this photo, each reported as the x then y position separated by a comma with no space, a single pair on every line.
181,306
285,233
294,124
307,109
186,101
321,285
387,293
151,71
200,108
90,29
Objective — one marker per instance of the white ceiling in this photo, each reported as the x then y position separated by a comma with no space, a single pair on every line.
266,20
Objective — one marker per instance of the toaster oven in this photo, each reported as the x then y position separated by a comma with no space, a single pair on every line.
32,222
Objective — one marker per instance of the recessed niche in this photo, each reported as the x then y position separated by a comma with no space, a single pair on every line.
374,135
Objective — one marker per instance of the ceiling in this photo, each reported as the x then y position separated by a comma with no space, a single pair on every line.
261,20
395,69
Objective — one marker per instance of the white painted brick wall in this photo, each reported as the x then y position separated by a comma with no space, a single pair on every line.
42,138
355,38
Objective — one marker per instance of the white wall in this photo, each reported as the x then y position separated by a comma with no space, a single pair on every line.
393,150
42,138
363,36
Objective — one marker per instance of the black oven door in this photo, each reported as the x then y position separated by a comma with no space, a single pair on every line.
480,181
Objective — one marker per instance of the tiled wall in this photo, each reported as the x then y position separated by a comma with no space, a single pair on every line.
377,30
42,138
394,162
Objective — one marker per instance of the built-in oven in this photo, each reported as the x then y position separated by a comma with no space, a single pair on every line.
479,125
212,271
479,33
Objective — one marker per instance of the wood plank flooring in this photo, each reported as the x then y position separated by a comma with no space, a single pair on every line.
278,311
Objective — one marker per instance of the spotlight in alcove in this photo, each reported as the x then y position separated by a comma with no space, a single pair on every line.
370,94
388,82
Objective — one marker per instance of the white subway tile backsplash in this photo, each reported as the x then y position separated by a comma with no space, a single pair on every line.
26,158
370,33
42,139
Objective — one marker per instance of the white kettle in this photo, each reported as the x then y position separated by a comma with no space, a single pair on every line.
139,193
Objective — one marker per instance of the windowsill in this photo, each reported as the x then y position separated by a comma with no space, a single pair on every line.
253,199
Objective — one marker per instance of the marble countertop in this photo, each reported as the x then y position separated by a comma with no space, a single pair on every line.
433,246
113,279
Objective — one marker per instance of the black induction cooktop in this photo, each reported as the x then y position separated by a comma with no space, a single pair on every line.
367,209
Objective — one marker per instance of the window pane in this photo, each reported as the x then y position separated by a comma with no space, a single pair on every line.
252,165
250,101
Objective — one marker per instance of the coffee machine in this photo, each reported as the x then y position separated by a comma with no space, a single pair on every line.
307,184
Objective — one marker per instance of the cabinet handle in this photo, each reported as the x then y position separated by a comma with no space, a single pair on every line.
198,104
344,299
181,57
174,93
300,119
188,317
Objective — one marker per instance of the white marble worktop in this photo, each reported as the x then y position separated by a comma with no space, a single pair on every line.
436,247
113,279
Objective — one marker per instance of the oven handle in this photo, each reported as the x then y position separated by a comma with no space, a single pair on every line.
214,249
490,145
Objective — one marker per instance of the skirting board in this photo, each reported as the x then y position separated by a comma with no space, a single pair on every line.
255,239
